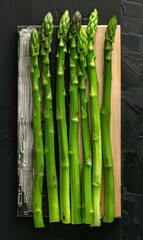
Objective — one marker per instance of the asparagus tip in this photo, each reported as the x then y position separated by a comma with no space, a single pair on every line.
64,25
34,35
76,23
34,43
66,12
92,24
111,28
48,15
47,26
82,42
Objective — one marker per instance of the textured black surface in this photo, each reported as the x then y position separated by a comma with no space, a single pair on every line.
132,119
18,12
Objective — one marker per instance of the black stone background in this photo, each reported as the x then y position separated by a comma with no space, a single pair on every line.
132,119
21,12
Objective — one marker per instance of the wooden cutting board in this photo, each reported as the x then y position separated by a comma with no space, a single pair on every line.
115,109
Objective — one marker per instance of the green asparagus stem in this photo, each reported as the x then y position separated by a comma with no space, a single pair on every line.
61,120
73,123
52,185
87,211
38,140
95,119
109,207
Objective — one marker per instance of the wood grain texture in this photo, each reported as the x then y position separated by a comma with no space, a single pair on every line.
115,109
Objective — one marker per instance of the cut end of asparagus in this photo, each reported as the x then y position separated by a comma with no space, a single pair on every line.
96,224
82,44
38,221
108,220
92,25
111,29
76,23
38,218
64,26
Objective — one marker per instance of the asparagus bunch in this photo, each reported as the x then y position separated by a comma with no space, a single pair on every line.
87,211
73,123
61,119
51,175
38,140
105,123
95,119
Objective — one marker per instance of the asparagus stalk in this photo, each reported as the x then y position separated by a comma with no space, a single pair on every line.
87,211
61,119
51,175
38,140
73,123
95,119
109,205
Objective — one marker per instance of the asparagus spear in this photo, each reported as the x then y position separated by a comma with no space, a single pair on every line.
87,211
73,123
61,119
52,185
95,119
105,123
38,141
